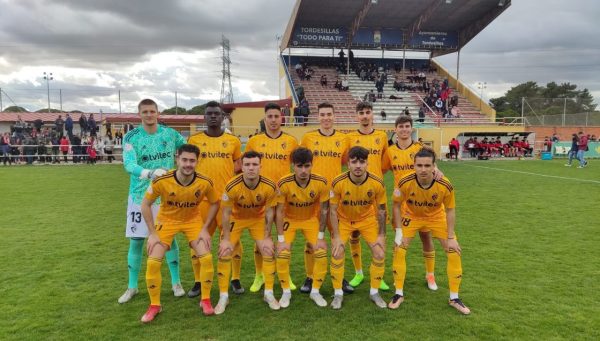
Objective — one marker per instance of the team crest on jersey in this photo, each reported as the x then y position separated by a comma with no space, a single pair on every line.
347,193
412,156
128,147
434,197
172,194
204,144
357,141
293,195
197,194
242,197
284,145
263,145
224,144
258,198
312,194
316,143
412,194
370,193
165,144
337,143
377,140
396,158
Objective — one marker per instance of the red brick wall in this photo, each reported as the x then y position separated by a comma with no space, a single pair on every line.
564,133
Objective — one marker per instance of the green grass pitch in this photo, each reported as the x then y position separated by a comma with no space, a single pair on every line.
529,231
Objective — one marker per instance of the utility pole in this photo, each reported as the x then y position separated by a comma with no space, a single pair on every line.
226,88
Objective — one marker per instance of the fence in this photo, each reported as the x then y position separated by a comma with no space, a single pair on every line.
558,112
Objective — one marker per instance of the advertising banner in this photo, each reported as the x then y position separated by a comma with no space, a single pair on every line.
319,36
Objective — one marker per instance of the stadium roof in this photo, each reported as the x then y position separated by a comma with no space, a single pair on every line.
439,26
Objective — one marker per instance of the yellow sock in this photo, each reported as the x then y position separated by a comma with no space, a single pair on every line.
337,272
309,261
429,261
356,251
454,271
376,269
283,268
320,269
153,279
195,266
236,261
207,273
399,267
269,272
223,272
258,260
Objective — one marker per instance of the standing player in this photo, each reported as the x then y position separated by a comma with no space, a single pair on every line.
248,203
275,147
429,206
376,143
181,192
358,201
328,147
400,159
219,161
148,152
303,205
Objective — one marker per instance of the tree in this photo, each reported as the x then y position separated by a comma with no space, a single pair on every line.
551,99
15,108
197,110
51,110
173,110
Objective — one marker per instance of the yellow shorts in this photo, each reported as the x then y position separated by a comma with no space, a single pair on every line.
438,229
204,206
255,227
367,228
166,232
309,228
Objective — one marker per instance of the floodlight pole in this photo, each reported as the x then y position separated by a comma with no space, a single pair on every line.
0,99
481,86
48,77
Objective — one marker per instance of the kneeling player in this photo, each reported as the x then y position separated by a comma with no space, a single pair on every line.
429,205
303,204
248,203
181,192
354,196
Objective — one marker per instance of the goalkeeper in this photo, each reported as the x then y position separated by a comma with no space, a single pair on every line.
148,152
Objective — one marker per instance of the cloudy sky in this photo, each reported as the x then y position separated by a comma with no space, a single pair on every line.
155,48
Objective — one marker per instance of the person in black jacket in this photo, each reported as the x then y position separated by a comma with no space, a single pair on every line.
83,124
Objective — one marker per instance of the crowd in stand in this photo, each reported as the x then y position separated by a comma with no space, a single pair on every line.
30,142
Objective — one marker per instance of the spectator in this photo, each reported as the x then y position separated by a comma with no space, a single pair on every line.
438,105
554,138
324,81
345,84
261,123
92,125
338,84
108,127
574,148
5,148
59,124
422,114
406,111
91,153
83,124
99,148
527,149
454,145
383,114
69,126
304,111
593,138
108,148
470,146
41,151
547,144
64,147
38,125
582,148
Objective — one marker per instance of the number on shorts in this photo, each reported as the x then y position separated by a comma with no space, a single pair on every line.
136,217
231,226
286,225
405,221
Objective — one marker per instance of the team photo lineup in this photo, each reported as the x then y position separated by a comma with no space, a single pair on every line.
208,188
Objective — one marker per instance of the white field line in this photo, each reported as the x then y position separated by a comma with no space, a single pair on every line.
535,174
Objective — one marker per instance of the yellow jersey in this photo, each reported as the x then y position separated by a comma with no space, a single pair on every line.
357,201
180,204
400,161
275,152
302,203
249,203
376,143
328,152
217,156
428,204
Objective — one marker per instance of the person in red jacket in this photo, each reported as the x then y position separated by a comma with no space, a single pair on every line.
454,146
64,147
